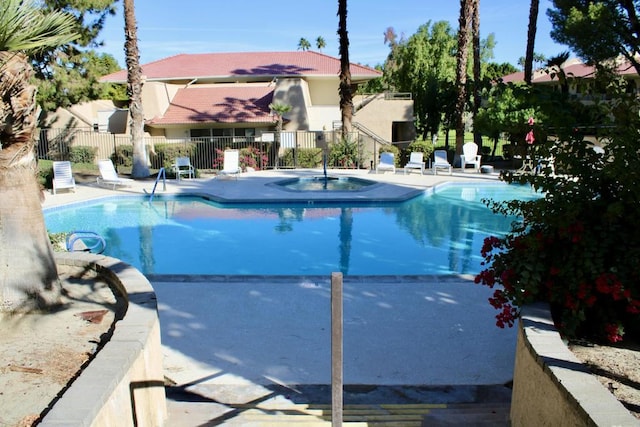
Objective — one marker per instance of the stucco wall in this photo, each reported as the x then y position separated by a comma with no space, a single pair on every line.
324,91
295,93
124,384
156,97
550,385
379,114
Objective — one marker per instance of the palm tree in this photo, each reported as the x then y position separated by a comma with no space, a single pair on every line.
346,104
320,43
466,6
531,38
278,110
475,34
28,273
134,90
304,44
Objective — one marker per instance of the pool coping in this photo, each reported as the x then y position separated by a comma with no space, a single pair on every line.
297,278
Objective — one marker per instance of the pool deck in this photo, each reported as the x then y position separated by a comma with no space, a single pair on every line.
264,340
258,187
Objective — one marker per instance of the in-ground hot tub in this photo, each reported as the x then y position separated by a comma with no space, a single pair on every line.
321,183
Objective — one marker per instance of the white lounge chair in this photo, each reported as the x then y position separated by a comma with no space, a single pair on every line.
231,164
109,176
387,163
470,156
440,161
63,176
183,166
416,161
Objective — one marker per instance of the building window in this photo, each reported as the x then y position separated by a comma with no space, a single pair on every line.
199,133
238,134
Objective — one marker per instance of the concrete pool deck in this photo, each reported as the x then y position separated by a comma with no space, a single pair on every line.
257,187
264,339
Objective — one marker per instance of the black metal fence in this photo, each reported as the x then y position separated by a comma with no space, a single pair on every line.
300,149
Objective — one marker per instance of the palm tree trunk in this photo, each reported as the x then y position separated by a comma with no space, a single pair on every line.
531,39
346,104
134,90
28,273
461,71
475,34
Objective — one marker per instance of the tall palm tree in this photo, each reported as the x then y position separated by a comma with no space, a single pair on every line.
461,70
320,43
346,97
531,39
134,90
28,273
475,34
304,44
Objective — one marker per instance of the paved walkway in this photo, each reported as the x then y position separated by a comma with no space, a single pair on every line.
247,341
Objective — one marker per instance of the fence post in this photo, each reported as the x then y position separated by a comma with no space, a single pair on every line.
336,350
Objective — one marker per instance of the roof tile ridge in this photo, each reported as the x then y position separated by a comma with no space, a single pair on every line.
167,58
326,55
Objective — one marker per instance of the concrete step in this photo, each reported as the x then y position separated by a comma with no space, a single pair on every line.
312,415
365,406
469,415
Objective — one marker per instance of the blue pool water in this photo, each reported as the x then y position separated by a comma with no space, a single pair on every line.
440,232
329,184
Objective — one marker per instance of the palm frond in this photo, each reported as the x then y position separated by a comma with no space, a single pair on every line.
25,27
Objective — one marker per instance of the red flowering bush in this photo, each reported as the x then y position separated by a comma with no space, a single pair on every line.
578,247
249,157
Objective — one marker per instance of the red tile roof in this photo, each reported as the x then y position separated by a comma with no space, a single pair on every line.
219,104
244,64
571,68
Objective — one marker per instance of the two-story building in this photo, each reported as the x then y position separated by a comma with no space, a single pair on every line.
227,95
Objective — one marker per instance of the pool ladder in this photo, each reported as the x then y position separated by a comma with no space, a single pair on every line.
163,174
90,242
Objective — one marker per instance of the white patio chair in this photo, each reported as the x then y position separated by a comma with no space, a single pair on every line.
63,176
440,161
416,161
387,163
470,156
109,176
182,166
231,164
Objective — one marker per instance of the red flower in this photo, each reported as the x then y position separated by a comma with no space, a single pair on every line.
570,303
634,307
583,291
614,332
530,139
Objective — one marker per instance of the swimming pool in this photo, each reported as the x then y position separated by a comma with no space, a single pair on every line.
438,232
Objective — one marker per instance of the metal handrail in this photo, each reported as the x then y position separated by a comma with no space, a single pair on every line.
99,246
163,174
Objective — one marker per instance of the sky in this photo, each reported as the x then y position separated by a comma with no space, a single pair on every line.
169,27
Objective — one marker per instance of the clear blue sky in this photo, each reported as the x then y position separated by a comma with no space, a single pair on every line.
169,27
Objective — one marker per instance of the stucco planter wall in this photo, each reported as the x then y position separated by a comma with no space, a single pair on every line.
123,385
550,385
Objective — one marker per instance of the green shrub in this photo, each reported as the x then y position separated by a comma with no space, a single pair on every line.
304,158
82,154
123,155
578,247
45,173
420,146
344,154
166,154
58,241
